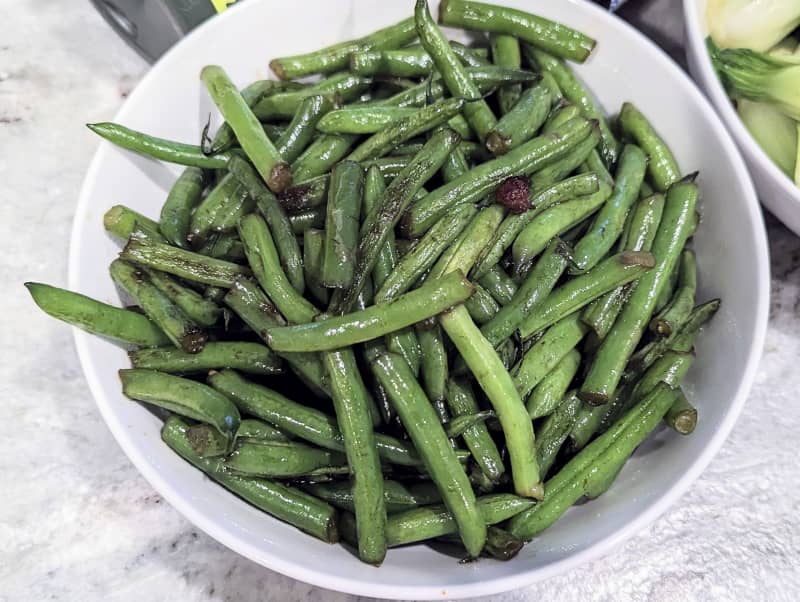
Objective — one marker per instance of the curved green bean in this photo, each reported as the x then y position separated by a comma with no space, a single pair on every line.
252,358
176,213
551,389
661,164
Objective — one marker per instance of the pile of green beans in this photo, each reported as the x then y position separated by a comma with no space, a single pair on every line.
429,296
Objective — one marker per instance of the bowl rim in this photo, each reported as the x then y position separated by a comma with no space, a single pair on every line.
309,574
695,28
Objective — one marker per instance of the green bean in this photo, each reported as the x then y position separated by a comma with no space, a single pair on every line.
220,209
554,431
566,165
338,88
179,262
682,302
251,428
506,53
610,220
351,403
555,221
535,288
433,362
485,365
270,165
404,342
282,459
554,37
96,317
666,293
682,415
594,163
406,128
425,430
207,442
547,352
396,199
575,92
661,164
481,305
362,119
461,401
288,250
304,221
551,389
192,303
559,117
390,167
300,132
375,321
615,271
301,420
374,189
499,284
478,182
341,225
306,195
463,253
159,148
592,465
422,257
429,522
295,507
252,358
615,350
335,57
313,241
121,221
181,330
411,61
176,213
263,259
321,155
181,396
454,166
601,313
522,121
501,545
223,245
540,200
454,74
398,496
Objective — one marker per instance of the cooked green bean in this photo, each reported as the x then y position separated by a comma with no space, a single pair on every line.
181,396
282,459
680,306
96,317
398,496
461,401
592,464
306,195
295,507
425,430
411,61
181,330
559,117
351,403
615,271
454,74
121,221
300,132
223,245
362,119
563,167
415,263
398,196
313,247
321,156
540,200
481,305
606,370
251,428
377,320
522,121
237,113
263,259
682,415
176,213
506,53
556,38
661,164
207,442
193,304
334,58
220,209
551,389
433,363
463,253
252,358
499,284
341,225
309,219
554,221
404,342
575,92
496,382
340,87
554,431
158,148
547,352
479,181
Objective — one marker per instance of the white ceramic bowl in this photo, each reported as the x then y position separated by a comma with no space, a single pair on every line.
775,189
731,251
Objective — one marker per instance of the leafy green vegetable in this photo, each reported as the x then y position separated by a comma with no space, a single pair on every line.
774,131
755,24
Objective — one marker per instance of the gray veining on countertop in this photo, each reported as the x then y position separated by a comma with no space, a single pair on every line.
77,522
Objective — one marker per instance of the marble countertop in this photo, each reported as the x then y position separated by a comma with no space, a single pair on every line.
77,522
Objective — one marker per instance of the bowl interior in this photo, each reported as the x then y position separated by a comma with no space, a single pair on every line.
731,250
